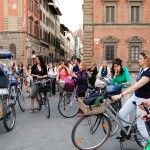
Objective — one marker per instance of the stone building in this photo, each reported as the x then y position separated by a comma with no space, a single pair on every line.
49,13
116,28
19,28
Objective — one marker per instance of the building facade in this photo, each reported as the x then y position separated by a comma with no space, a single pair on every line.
116,28
19,28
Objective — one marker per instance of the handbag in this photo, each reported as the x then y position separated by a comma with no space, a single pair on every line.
113,88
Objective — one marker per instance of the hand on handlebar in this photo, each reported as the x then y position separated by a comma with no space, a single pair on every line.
146,114
116,97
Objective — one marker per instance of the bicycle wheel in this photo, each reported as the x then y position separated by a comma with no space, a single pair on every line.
114,126
21,101
68,105
38,102
138,137
9,117
47,107
88,133
12,93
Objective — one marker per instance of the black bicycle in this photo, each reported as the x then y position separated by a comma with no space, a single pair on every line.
15,94
42,95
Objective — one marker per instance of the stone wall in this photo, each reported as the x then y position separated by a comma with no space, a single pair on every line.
88,31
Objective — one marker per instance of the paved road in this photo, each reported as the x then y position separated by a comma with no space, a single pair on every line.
33,131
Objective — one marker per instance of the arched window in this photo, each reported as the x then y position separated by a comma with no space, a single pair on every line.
135,46
110,45
13,50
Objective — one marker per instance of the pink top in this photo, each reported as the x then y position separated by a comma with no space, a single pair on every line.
63,74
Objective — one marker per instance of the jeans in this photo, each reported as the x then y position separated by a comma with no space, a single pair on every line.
128,108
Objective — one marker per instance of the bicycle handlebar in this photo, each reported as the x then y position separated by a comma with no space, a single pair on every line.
42,82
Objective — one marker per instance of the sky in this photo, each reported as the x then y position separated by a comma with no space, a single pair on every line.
72,14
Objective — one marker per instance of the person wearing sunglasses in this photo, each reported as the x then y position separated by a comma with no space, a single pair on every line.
141,92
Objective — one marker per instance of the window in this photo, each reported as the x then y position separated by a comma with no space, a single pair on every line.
110,11
110,14
41,15
135,45
109,52
135,10
109,47
30,25
47,21
36,9
43,18
41,32
135,13
31,5
13,50
134,53
36,30
44,3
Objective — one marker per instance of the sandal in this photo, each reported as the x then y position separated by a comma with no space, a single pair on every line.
32,110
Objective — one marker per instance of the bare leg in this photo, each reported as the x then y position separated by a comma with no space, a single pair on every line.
32,105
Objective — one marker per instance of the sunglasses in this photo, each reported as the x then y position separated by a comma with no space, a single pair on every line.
145,53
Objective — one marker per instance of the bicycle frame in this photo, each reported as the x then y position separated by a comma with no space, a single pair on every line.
119,119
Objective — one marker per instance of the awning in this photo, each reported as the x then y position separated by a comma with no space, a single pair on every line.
5,54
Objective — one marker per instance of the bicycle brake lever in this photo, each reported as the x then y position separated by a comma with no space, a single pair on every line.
146,109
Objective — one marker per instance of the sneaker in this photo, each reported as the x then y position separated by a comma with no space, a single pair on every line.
81,114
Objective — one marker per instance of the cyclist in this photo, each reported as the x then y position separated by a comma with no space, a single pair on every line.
141,93
21,72
38,72
52,72
82,84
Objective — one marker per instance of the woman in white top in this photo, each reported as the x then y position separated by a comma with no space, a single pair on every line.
52,73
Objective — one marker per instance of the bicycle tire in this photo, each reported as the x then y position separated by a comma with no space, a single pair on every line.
68,105
114,126
8,111
47,107
21,101
91,125
138,137
12,98
38,101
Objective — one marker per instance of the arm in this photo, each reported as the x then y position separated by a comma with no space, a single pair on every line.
136,86
82,77
99,72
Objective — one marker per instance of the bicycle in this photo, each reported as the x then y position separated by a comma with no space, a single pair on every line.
92,130
15,94
42,98
68,103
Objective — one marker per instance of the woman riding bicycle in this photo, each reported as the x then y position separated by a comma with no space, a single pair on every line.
38,72
141,93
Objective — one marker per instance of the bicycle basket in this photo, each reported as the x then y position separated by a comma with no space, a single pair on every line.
92,109
45,88
99,83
